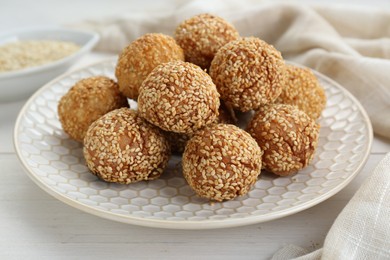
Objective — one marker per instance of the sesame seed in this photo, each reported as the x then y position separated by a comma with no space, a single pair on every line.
195,107
24,54
229,175
303,90
138,151
290,150
86,101
248,73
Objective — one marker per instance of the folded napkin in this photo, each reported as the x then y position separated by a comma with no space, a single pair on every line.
362,230
350,45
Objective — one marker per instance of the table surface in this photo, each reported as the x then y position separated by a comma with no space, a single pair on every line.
34,225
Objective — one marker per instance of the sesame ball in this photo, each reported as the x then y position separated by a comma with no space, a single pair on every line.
178,97
248,73
121,147
139,58
287,136
303,90
201,37
85,102
221,162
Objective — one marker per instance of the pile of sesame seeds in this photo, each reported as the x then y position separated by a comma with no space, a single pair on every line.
25,54
188,106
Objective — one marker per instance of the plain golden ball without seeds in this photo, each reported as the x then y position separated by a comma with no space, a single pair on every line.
121,147
202,36
287,136
139,58
178,97
85,102
303,90
221,162
248,73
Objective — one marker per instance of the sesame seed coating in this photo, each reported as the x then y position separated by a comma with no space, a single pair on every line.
303,90
248,73
122,147
178,97
85,102
287,136
221,162
139,58
17,55
178,141
201,37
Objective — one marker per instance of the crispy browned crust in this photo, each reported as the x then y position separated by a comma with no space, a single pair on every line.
178,97
303,90
202,36
122,147
85,102
248,73
139,58
221,162
287,136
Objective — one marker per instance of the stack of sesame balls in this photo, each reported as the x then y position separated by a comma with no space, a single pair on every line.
189,89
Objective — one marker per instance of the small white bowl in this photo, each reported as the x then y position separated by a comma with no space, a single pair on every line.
20,84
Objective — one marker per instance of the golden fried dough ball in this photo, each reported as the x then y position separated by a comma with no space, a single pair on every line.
122,147
287,136
303,90
221,162
202,36
85,102
226,115
178,97
248,73
178,141
139,58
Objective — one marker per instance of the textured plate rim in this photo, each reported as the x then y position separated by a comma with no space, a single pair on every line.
187,224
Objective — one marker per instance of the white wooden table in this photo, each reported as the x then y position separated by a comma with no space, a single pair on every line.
34,225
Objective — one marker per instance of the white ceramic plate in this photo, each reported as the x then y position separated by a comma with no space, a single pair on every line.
22,83
56,164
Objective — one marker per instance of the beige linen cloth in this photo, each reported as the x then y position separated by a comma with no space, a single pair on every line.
362,230
349,45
